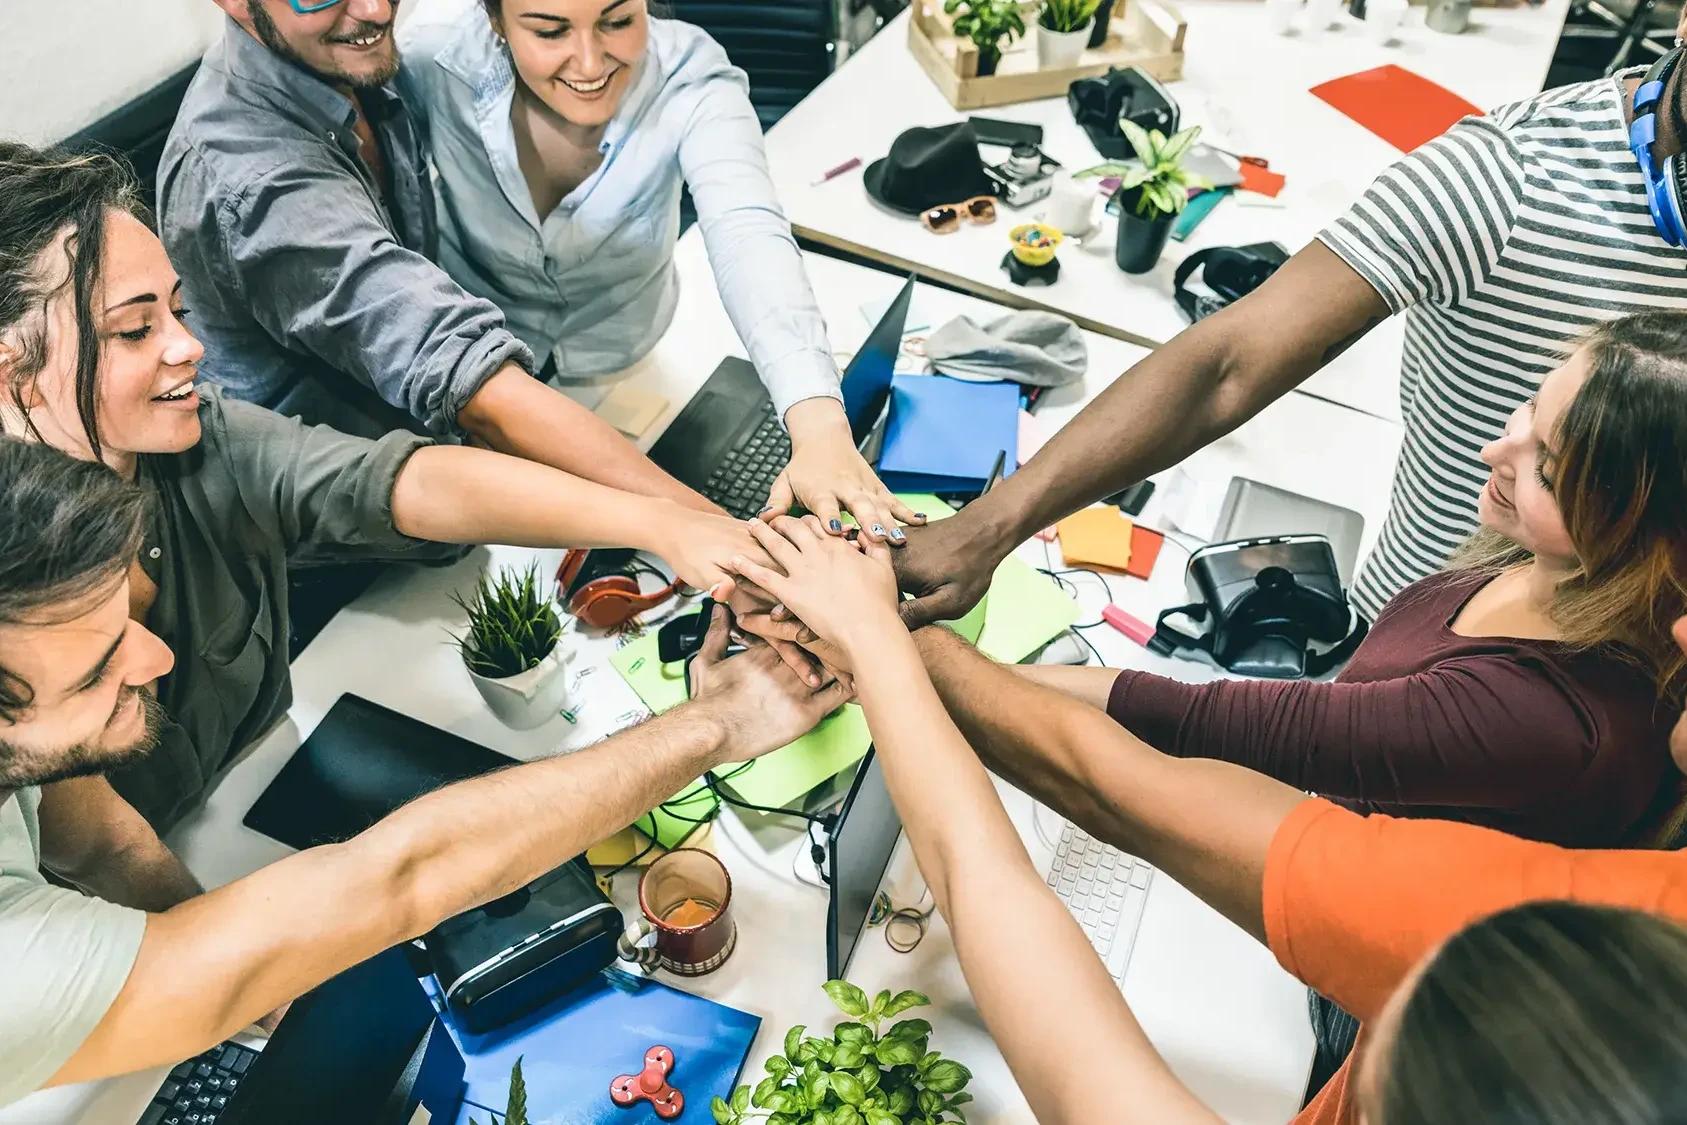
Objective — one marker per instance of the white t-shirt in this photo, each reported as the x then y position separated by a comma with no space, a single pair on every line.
1501,241
63,956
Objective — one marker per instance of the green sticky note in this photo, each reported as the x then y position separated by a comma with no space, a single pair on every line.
1023,611
672,823
776,779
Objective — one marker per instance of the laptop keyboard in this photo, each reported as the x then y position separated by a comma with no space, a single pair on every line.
741,482
196,1091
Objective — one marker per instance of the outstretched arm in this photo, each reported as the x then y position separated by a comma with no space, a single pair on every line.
263,940
985,885
1199,386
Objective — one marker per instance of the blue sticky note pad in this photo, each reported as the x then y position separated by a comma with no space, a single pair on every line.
574,1048
943,434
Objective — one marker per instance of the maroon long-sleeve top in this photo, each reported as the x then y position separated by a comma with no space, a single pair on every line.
1530,737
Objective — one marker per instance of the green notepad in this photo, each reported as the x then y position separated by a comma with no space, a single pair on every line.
1024,611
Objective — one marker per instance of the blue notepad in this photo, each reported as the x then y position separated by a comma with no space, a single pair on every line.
572,1049
943,434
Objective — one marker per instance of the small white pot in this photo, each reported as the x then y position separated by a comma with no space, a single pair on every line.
1061,50
531,698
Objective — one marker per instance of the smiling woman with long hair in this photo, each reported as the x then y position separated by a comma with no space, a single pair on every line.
1531,686
563,133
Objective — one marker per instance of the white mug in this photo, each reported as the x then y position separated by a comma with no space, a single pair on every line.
1280,15
1320,14
1071,205
1383,17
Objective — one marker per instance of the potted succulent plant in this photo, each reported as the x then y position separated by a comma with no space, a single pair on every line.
513,648
1151,197
1063,31
1103,20
861,1074
990,24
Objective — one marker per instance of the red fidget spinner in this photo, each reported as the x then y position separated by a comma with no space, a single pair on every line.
652,1086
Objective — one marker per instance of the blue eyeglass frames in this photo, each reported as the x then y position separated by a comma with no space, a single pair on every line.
305,7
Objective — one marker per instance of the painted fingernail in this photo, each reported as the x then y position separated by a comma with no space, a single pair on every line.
879,531
836,525
765,510
919,515
898,535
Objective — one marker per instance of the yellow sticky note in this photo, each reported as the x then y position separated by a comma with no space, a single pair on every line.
1097,537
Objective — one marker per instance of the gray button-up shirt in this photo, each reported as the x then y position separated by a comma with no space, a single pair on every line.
227,516
313,289
592,285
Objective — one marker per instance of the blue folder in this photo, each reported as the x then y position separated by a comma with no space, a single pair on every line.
574,1048
943,434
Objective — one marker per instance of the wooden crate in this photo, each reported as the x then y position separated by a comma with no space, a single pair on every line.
1144,33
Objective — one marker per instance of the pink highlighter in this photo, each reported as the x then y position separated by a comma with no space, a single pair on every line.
1139,631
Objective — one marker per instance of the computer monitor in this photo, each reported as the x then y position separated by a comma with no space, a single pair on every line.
860,849
866,382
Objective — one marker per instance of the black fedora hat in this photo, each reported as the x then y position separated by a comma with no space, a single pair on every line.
927,168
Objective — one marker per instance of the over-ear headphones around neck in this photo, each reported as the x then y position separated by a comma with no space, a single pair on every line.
1663,178
602,589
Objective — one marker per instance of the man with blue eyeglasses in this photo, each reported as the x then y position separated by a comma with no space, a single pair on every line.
294,200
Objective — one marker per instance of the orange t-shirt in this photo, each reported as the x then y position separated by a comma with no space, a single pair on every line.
1353,902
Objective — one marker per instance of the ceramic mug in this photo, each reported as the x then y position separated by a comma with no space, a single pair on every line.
1071,206
1280,15
1383,17
1320,14
686,901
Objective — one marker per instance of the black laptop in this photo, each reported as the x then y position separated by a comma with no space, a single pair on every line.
728,442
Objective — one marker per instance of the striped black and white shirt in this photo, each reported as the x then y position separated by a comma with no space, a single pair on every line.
1502,241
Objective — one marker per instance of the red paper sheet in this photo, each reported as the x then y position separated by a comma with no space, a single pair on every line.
1402,108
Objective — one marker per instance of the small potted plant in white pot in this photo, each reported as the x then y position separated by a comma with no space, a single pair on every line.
990,24
1151,197
513,648
1063,32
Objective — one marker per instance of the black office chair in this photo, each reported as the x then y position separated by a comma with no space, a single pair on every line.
137,131
1641,30
787,47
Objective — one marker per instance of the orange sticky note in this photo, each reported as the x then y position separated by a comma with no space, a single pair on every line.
1097,537
1261,180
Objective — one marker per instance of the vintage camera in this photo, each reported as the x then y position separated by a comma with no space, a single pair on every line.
1026,176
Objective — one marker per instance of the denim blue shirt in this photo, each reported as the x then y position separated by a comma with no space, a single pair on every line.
593,283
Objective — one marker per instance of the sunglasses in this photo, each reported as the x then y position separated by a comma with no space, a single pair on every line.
305,7
946,219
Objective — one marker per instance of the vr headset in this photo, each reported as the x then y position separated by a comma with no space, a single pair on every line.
1268,604
499,962
1230,272
1098,103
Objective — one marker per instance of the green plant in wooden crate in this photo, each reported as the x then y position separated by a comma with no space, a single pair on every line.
990,24
1162,183
513,624
1067,15
863,1074
515,1110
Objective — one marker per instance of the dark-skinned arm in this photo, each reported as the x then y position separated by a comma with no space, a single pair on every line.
1198,387
1206,824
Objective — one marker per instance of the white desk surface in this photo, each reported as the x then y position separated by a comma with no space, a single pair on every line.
1248,88
1231,1022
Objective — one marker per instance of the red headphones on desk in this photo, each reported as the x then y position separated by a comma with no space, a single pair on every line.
601,586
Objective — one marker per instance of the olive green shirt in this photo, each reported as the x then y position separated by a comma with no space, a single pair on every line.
258,491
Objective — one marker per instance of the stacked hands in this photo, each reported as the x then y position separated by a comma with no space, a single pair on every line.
802,601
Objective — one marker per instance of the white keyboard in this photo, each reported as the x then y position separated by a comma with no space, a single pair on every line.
1106,890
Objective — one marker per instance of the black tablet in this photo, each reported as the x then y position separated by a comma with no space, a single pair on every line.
361,763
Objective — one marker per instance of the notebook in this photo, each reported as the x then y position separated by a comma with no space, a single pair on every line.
572,1049
943,434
